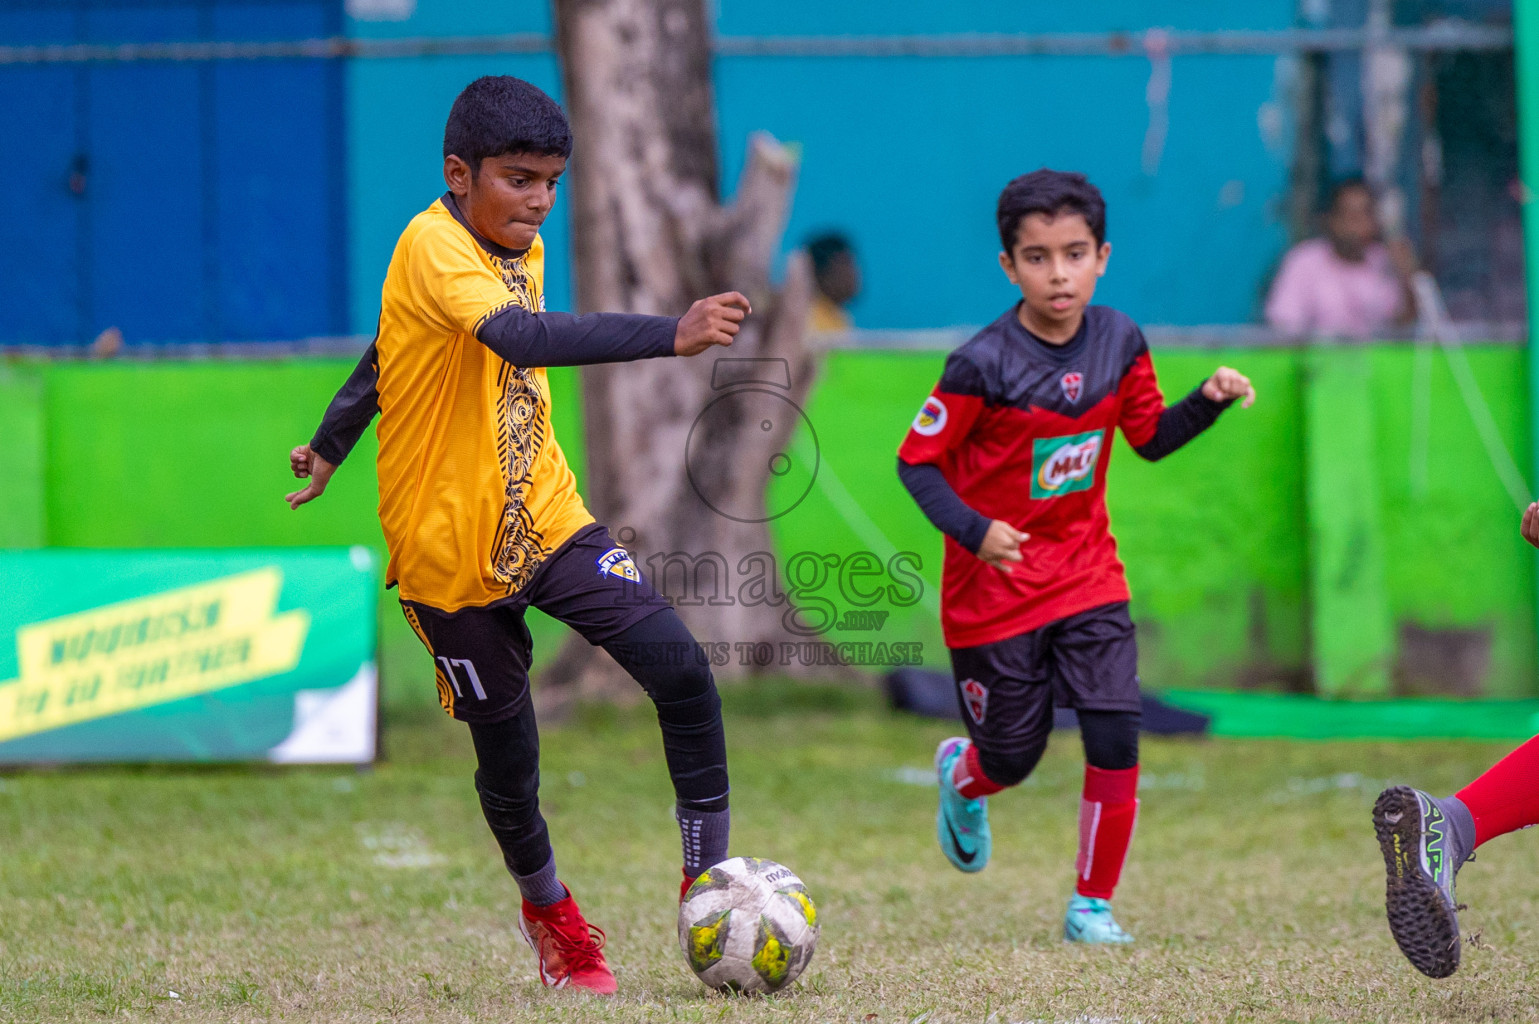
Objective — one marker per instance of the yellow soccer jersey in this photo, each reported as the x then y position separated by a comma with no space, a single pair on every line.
474,491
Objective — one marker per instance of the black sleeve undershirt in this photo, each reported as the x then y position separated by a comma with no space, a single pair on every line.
941,504
350,412
562,339
518,336
1180,423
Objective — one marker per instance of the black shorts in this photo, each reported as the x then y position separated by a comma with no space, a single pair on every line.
482,655
1007,689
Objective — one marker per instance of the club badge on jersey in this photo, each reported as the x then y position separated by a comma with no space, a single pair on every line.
976,696
1073,384
932,417
617,562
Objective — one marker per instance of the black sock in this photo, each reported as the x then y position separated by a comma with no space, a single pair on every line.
541,888
704,836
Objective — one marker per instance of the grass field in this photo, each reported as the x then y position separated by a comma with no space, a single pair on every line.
1254,886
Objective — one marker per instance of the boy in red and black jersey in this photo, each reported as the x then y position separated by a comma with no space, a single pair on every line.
1007,458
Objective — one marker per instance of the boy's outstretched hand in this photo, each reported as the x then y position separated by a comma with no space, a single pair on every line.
1226,385
306,464
1530,527
710,321
1002,545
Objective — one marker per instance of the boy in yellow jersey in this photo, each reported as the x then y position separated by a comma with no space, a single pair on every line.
480,510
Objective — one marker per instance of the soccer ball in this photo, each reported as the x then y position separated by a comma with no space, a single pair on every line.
748,925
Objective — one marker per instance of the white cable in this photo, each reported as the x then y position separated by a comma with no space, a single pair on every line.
855,517
1429,304
1421,414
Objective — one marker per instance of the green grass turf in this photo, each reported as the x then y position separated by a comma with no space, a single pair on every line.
1254,887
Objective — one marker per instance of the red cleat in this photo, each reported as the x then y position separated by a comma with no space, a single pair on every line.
569,948
689,880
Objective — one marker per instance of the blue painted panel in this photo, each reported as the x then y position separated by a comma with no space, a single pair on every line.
144,123
37,24
214,206
39,279
274,19
275,167
145,21
40,293
909,154
277,206
145,247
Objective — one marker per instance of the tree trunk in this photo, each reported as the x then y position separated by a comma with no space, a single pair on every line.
679,452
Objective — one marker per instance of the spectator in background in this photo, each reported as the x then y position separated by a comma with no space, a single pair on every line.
1348,284
108,343
837,277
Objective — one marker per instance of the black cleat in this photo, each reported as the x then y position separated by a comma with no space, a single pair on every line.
1419,862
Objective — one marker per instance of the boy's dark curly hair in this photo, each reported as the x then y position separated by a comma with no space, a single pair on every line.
1051,193
499,114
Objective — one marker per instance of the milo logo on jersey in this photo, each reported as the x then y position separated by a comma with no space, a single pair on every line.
1063,465
617,562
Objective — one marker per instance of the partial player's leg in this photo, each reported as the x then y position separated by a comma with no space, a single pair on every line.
481,658
1007,706
1426,839
1095,660
1108,810
660,653
508,781
1506,797
592,585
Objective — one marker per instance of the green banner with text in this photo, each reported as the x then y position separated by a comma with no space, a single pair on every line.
189,656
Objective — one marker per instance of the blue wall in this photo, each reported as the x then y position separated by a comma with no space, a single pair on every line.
176,201
907,154
261,200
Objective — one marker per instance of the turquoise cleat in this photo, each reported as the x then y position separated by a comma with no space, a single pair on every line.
1090,920
962,825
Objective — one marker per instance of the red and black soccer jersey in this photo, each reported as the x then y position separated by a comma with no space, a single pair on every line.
1021,430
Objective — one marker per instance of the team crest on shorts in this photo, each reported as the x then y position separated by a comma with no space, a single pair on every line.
617,562
976,696
1072,383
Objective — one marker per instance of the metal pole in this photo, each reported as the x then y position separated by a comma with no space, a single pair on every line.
1525,16
1438,37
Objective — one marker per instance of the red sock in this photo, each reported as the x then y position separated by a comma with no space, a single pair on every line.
967,776
1506,797
1107,812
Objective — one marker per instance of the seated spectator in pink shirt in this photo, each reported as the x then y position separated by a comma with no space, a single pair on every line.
1347,284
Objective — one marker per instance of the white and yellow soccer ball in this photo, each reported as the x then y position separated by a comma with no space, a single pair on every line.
748,925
